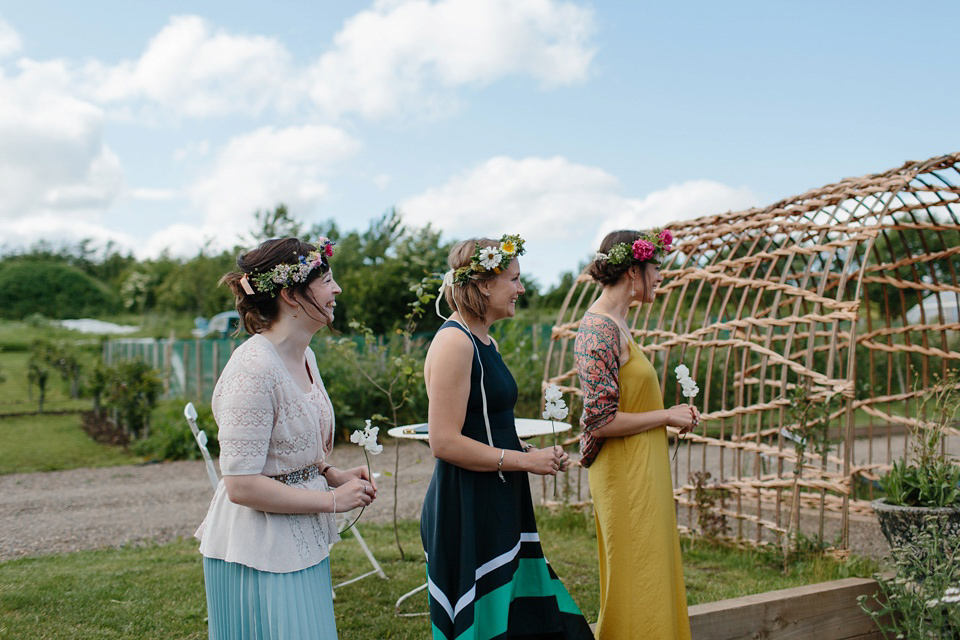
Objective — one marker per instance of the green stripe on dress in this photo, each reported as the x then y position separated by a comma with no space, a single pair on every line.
532,579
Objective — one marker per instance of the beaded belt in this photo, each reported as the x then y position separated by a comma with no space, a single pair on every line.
300,475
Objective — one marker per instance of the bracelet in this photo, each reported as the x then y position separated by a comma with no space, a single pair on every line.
325,469
334,500
500,464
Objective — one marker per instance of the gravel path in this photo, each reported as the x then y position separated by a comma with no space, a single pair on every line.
64,511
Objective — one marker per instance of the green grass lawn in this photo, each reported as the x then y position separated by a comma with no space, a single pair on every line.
52,443
157,591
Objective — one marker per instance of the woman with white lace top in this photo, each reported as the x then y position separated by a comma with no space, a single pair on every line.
266,538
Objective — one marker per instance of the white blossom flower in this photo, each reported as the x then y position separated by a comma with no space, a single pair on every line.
490,258
367,438
682,372
552,394
555,410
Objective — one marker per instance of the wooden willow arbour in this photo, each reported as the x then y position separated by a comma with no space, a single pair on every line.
759,302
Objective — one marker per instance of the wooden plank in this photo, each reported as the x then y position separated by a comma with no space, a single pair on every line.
824,611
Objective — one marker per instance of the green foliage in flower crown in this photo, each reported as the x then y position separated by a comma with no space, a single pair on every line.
618,253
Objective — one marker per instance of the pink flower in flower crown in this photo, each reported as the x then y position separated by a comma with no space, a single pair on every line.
643,250
328,250
667,239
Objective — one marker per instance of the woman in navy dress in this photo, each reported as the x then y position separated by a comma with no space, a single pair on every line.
486,573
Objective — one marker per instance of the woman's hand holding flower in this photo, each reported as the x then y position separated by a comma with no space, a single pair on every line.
337,477
684,417
547,462
355,493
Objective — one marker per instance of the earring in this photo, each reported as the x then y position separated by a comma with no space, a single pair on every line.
633,292
295,315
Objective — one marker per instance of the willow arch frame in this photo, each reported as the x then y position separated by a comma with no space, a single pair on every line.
759,302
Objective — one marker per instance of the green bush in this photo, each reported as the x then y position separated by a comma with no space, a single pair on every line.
129,390
170,436
53,289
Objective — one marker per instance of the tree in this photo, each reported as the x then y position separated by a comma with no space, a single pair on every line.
380,269
278,223
38,370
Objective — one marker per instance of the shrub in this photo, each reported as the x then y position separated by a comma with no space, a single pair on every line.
55,290
170,437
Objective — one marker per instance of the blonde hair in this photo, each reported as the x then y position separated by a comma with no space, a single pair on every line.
467,298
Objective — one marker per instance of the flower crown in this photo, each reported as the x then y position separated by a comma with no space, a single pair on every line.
287,274
649,246
494,259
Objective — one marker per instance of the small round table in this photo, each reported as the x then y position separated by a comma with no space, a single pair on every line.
526,428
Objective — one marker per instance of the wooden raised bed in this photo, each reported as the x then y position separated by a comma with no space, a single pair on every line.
823,611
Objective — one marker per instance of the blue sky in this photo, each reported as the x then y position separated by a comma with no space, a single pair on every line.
166,125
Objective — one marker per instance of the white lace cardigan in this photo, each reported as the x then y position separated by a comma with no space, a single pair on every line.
268,425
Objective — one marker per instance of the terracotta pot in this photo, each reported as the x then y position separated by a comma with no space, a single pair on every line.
897,521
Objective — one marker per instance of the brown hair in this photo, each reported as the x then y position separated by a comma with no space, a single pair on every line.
258,311
467,298
606,273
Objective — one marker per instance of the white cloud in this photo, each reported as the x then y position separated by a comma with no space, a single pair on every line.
60,229
561,208
9,39
153,195
260,169
407,55
52,154
191,69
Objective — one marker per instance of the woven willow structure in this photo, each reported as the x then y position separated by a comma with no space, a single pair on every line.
849,293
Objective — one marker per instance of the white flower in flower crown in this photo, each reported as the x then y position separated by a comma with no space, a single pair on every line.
552,394
490,258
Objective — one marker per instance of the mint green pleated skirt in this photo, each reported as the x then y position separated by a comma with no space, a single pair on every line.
246,604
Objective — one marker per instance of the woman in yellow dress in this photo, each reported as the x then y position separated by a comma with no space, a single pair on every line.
624,446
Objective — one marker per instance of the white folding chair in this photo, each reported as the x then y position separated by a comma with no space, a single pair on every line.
201,437
190,412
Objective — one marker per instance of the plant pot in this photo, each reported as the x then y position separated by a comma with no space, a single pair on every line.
897,521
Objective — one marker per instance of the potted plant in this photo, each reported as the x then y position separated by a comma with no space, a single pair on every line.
925,483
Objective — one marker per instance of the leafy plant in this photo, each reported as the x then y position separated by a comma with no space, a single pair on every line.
710,520
810,415
925,477
922,600
171,439
396,378
129,390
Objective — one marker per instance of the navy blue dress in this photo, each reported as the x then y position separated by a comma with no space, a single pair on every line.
487,576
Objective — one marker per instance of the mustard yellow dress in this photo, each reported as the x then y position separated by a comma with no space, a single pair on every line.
642,594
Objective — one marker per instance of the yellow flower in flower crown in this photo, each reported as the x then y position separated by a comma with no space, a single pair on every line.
508,247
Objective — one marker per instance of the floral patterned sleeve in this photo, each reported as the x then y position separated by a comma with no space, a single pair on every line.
596,353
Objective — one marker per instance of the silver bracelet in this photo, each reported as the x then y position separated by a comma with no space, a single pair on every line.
500,464
334,501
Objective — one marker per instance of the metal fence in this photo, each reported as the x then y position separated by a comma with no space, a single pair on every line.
190,368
